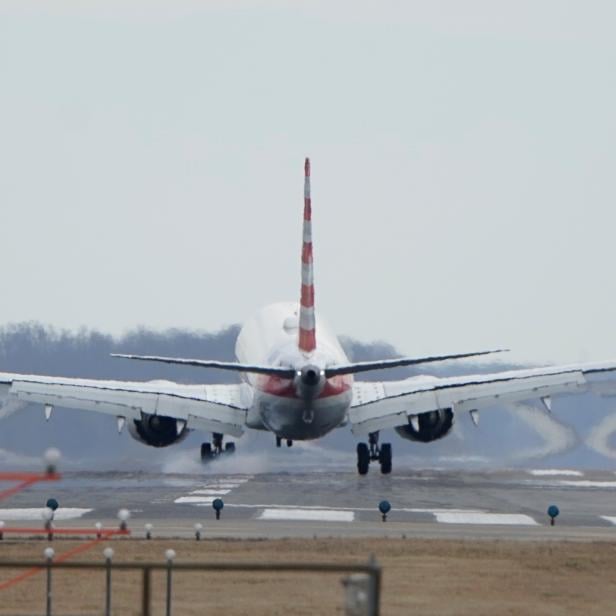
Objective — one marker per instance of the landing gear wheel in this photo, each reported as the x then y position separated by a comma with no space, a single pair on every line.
229,448
289,443
385,458
278,441
206,452
363,458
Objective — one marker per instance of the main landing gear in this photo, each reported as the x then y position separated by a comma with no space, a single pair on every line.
212,450
371,451
279,442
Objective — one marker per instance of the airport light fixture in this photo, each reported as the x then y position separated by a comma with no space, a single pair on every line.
384,508
52,457
198,529
123,516
148,531
218,506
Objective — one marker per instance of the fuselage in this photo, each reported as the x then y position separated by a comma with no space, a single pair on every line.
308,406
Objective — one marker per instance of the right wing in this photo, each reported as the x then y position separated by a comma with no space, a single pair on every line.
389,404
211,408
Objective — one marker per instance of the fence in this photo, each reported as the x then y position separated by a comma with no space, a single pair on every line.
368,605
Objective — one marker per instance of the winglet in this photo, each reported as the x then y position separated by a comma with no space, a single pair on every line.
307,329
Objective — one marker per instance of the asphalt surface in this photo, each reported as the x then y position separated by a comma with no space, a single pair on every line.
427,503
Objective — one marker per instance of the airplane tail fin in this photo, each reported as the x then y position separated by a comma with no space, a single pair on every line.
307,329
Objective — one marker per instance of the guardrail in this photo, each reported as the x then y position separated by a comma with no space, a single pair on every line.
368,604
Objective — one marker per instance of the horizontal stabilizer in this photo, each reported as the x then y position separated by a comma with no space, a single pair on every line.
283,373
365,366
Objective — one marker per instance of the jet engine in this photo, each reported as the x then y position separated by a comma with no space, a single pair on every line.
428,427
157,430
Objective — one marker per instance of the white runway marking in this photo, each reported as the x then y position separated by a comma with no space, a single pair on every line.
585,483
307,515
64,513
552,472
485,518
211,492
195,500
609,518
371,509
214,488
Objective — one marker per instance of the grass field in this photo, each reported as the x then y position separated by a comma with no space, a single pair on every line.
419,577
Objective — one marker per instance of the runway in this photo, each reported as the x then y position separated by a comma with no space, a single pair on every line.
426,503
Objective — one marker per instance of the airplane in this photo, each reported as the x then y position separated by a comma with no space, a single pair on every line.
298,383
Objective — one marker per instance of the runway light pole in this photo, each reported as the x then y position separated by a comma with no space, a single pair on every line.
108,554
47,515
384,508
198,529
124,516
49,554
1,530
52,457
99,528
218,505
169,556
148,531
553,512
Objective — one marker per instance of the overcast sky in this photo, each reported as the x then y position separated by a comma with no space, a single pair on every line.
464,167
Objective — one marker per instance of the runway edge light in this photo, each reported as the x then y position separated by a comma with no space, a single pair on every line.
553,512
218,506
384,508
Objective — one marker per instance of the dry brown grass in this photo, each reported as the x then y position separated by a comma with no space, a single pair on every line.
420,577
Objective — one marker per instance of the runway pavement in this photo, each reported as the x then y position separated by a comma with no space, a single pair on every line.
425,503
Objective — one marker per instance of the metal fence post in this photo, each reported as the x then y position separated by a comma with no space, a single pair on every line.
108,554
145,597
169,555
49,554
375,586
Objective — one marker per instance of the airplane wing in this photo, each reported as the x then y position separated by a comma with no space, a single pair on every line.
212,408
388,404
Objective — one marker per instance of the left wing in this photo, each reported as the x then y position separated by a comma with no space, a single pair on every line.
212,408
387,404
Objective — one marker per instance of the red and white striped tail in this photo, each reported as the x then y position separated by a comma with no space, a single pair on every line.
307,335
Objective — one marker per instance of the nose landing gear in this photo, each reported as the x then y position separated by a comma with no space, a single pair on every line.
212,450
371,451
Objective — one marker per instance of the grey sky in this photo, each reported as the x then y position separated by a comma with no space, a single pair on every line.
463,167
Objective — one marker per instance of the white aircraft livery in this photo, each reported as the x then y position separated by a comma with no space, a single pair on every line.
297,383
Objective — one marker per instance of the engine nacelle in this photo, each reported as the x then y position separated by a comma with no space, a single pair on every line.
433,425
157,430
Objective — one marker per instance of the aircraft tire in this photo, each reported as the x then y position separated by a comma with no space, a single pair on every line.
206,452
230,448
385,458
363,458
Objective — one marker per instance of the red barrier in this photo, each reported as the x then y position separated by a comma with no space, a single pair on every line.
25,481
77,532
